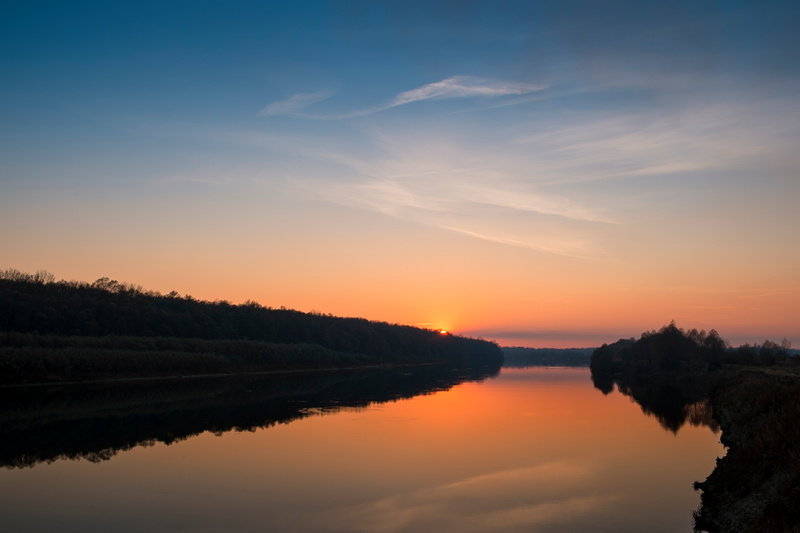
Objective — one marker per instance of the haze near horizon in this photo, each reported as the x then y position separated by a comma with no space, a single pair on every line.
539,174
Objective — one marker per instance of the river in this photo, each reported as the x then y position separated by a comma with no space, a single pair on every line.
414,450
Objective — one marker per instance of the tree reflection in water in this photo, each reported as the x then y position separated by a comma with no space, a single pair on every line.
671,399
95,422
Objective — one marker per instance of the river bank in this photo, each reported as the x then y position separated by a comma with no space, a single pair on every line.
750,392
755,487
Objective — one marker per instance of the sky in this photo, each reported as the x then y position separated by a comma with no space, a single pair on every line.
535,173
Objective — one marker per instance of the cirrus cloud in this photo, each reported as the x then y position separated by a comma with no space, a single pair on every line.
294,103
448,88
462,87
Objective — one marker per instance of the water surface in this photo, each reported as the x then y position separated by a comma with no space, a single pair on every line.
534,450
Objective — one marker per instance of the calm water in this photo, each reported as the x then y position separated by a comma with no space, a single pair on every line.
534,450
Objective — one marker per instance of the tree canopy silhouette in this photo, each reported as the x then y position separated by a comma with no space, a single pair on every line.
107,327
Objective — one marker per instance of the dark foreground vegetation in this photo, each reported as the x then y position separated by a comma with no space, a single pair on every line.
750,392
96,421
67,331
756,486
515,357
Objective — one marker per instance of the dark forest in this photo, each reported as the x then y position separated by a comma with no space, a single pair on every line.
52,331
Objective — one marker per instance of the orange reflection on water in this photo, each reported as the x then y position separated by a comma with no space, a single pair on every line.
532,450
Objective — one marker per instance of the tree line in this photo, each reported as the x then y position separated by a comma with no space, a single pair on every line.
70,314
672,349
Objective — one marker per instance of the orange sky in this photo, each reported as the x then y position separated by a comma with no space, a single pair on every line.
363,264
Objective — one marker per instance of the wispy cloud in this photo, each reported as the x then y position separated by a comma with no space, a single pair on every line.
462,87
441,183
452,87
555,247
539,185
692,139
294,103
426,186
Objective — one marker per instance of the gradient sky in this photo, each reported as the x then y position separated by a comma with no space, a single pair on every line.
537,173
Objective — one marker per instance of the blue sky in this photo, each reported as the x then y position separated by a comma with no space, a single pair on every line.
599,148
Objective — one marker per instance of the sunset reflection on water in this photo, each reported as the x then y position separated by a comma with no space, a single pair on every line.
535,449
